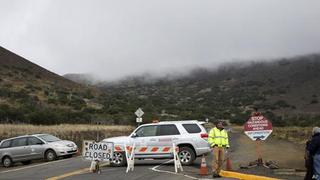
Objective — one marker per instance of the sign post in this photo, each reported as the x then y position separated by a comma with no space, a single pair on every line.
139,113
258,128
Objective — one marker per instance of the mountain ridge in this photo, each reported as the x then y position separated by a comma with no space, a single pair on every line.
286,91
32,94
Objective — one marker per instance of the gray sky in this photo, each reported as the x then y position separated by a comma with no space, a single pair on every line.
115,38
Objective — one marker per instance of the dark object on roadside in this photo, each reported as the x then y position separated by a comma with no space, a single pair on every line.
267,164
272,165
313,149
215,175
242,166
308,162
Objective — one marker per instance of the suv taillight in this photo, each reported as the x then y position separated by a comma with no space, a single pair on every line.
204,135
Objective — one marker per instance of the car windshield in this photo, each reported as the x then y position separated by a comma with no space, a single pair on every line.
49,138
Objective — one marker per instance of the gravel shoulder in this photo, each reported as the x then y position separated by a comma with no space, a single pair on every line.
289,156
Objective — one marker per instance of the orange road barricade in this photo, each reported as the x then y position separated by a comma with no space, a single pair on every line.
130,152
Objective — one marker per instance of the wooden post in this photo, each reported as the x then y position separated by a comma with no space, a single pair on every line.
258,152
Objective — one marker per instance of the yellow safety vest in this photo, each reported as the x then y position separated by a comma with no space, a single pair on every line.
218,138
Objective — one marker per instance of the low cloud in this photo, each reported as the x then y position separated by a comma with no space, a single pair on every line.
114,39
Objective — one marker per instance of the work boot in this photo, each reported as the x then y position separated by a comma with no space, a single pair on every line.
215,175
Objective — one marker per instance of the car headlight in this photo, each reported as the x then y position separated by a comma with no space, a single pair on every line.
60,145
71,145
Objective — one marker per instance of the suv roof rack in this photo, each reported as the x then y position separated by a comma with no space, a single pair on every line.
179,121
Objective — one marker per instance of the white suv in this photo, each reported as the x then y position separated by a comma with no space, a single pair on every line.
190,136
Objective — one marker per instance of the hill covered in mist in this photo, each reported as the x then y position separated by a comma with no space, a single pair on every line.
285,90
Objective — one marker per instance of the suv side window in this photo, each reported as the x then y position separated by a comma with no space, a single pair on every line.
5,144
19,142
34,141
147,131
170,129
192,128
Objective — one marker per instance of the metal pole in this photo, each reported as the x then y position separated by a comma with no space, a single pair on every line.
97,132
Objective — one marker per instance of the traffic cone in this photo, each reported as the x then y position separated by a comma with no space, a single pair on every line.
203,167
228,165
78,152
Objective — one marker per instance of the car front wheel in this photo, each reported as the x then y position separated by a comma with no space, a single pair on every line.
50,155
186,155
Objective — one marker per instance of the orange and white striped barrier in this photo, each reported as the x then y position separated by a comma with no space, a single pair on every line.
145,149
130,152
176,159
130,157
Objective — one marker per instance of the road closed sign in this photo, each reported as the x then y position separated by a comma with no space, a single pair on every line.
101,151
258,127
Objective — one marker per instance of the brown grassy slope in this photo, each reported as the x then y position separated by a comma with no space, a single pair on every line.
297,135
10,60
32,94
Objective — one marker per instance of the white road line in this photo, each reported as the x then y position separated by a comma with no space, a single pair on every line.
169,172
37,165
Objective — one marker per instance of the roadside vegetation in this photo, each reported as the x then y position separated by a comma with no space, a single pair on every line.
74,132
295,134
80,132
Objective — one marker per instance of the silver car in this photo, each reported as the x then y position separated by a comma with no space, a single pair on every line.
38,146
190,136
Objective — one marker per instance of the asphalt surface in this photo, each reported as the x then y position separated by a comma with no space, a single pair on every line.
76,168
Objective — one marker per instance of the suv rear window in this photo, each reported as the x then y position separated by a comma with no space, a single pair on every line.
165,130
192,128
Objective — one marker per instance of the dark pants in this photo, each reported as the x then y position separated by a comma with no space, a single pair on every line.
309,166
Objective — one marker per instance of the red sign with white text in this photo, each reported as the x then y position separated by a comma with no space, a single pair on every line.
258,127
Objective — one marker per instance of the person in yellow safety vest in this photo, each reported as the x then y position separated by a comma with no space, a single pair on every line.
219,142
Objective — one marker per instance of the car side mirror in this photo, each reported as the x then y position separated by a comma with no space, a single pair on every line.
134,135
40,143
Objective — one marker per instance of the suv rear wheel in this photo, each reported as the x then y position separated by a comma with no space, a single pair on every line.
119,159
186,155
7,161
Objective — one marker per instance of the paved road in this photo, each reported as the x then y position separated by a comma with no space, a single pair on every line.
42,170
76,168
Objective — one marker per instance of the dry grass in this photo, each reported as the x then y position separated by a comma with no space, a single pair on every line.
294,134
76,133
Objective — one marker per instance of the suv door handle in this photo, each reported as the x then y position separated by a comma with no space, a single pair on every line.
153,139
